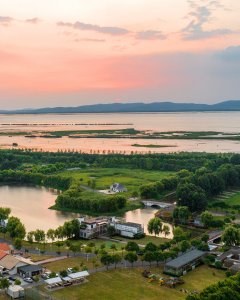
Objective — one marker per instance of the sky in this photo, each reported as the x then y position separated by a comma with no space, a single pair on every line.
77,52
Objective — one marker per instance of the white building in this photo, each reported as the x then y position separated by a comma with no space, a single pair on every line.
128,229
118,188
92,227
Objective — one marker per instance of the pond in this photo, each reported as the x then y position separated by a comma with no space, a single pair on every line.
30,204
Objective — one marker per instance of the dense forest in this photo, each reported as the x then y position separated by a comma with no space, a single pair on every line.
198,177
227,289
14,159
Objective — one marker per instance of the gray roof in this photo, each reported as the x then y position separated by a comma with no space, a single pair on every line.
30,268
118,186
186,258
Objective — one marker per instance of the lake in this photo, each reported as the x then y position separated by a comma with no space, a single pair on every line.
31,204
192,121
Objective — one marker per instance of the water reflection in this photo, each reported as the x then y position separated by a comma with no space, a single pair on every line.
142,216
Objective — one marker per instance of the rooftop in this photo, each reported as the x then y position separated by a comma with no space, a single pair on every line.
185,258
4,247
78,275
234,251
9,262
130,224
30,268
2,254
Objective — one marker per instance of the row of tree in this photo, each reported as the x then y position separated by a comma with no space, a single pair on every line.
77,199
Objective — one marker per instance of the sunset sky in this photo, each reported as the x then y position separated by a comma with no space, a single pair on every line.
75,52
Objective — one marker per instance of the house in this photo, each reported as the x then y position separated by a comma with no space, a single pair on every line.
92,227
15,291
3,223
127,229
184,263
117,188
11,263
230,257
29,270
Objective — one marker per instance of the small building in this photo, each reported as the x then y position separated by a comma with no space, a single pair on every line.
54,282
92,227
15,291
235,268
29,270
184,263
78,275
128,229
11,263
230,257
118,188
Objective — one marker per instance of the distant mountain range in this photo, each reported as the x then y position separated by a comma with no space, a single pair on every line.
232,105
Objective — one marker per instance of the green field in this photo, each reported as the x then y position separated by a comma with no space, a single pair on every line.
129,284
104,177
233,200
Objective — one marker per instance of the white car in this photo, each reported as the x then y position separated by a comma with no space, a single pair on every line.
28,279
70,270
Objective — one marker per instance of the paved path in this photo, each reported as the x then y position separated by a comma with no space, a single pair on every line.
53,259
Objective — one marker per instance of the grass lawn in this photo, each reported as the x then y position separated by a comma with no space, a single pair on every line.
233,200
145,240
71,262
129,284
39,257
132,179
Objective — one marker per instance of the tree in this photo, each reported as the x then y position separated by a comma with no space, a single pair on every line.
51,234
158,256
17,282
74,248
132,247
166,230
150,247
206,218
111,231
30,236
63,273
4,283
113,247
179,234
184,246
191,196
39,235
231,236
15,228
181,214
116,258
4,213
155,226
149,257
106,260
18,243
131,257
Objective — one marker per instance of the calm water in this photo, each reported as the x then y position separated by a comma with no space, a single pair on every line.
31,204
199,121
142,216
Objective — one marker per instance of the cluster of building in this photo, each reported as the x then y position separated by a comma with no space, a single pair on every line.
16,264
94,227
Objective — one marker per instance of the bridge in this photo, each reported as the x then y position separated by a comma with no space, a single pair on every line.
150,203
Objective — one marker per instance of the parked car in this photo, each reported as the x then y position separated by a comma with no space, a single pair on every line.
28,279
45,276
70,270
11,278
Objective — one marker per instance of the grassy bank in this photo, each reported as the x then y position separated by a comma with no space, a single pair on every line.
129,284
